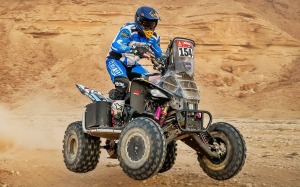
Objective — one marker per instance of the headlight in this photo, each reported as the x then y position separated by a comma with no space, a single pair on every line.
158,93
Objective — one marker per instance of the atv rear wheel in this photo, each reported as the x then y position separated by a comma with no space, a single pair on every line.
231,147
170,157
80,150
142,148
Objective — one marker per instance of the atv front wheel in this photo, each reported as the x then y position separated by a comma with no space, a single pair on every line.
142,148
170,157
230,145
80,150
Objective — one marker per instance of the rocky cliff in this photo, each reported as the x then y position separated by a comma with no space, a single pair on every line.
247,52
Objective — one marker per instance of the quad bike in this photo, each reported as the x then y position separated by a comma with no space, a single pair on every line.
156,114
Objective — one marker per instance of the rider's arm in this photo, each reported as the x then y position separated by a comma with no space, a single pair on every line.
120,43
155,45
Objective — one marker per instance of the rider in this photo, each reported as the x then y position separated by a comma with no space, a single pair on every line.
124,54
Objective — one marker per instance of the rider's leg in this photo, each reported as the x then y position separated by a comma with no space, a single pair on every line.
118,75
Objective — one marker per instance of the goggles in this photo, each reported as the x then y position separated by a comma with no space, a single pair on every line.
148,25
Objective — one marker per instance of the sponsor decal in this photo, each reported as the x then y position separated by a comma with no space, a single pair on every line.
136,92
153,14
187,43
124,34
121,45
184,43
118,106
114,68
120,84
188,65
179,44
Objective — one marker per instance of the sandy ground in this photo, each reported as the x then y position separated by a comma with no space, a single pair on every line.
247,68
273,157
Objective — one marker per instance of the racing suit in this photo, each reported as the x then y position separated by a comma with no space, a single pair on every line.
122,65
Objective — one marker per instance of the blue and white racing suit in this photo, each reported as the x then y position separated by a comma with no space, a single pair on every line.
121,63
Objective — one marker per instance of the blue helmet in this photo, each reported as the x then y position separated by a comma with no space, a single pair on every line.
146,19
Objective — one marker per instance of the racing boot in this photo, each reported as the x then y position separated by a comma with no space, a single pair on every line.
118,96
117,108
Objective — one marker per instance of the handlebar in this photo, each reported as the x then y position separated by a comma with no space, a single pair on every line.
158,63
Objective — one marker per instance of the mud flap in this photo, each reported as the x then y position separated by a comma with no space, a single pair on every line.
98,114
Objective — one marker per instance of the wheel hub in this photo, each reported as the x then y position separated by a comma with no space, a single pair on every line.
220,148
136,148
72,147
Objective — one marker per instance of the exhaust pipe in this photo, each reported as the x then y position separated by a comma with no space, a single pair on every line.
99,131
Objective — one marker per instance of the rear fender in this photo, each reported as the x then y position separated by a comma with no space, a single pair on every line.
92,94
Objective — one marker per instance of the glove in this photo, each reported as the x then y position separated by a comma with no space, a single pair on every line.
162,60
160,63
152,41
139,51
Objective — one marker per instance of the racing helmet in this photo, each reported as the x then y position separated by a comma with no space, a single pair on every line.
146,19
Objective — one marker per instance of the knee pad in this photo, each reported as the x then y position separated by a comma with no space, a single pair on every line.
122,84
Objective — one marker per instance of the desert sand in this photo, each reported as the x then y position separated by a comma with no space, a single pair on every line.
247,68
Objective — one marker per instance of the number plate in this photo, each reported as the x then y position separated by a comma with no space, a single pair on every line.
191,106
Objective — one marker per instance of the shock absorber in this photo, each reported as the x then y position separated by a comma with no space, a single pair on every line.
163,114
157,113
203,137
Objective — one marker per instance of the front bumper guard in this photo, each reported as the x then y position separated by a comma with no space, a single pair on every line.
193,120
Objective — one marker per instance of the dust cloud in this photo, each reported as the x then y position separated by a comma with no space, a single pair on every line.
29,130
6,140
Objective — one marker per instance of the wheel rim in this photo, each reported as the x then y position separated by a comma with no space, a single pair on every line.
219,163
72,148
137,148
